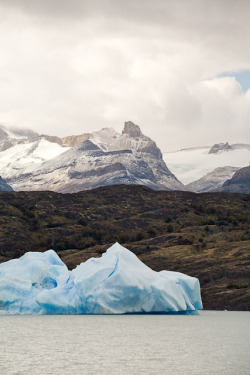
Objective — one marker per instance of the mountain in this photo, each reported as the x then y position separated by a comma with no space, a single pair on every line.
29,161
193,164
212,180
24,157
219,148
101,158
69,141
239,183
4,186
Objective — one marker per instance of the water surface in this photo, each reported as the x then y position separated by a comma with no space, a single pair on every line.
211,343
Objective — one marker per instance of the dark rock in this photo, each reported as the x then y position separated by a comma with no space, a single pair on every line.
131,129
220,147
239,183
4,186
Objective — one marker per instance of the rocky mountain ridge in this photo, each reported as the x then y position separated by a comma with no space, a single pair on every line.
29,161
220,147
102,158
239,183
69,141
212,180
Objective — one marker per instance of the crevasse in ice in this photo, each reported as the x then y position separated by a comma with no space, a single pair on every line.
116,283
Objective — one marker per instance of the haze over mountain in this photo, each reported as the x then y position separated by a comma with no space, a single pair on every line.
192,164
212,180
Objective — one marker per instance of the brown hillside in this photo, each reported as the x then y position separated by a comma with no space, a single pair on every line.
203,235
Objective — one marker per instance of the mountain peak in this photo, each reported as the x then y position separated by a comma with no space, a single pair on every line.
220,147
131,129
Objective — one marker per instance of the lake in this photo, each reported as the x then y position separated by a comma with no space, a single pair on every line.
210,343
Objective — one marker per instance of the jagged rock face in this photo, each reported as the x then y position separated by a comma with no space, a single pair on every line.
219,147
106,158
212,180
69,141
132,130
239,183
74,140
4,186
142,146
52,139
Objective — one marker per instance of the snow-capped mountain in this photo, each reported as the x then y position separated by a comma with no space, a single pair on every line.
29,161
212,180
24,158
103,158
200,165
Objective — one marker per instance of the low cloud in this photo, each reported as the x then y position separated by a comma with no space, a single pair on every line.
77,66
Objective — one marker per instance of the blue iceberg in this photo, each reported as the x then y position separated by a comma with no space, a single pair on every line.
116,283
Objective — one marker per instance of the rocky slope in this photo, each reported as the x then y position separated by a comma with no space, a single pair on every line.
239,183
69,141
4,186
19,161
212,180
203,235
104,158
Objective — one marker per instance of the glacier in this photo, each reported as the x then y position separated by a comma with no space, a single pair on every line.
116,283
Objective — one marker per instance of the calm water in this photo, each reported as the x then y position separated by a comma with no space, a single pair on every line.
211,343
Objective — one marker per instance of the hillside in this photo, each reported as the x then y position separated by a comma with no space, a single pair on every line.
204,235
240,182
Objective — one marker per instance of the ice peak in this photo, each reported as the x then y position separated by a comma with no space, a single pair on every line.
118,249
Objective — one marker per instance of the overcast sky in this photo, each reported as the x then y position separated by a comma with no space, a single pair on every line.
179,69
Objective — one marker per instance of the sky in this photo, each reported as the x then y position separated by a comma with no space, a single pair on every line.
179,69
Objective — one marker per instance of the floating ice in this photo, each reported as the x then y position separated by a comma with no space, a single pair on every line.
116,283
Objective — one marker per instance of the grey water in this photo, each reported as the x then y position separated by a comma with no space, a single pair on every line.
210,343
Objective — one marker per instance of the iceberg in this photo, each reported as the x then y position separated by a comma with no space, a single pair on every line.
116,283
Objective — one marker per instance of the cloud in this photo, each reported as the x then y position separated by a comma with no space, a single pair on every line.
76,66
